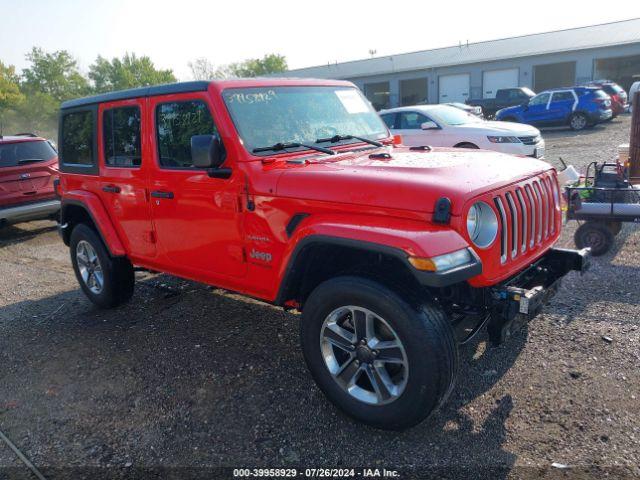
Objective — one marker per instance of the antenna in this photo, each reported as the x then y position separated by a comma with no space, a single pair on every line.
372,52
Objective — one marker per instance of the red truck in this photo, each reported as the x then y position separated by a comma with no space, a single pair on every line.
28,170
294,192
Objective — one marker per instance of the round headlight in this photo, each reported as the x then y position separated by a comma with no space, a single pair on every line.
482,224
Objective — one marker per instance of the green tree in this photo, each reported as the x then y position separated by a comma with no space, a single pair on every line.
128,72
54,74
256,67
10,94
203,69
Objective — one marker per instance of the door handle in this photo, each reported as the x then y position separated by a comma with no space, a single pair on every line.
111,189
161,194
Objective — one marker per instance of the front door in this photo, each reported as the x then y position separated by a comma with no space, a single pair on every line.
125,160
197,218
409,126
535,113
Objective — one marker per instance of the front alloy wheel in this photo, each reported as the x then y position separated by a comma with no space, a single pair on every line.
364,355
381,359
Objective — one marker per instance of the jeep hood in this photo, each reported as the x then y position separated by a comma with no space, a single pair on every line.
409,180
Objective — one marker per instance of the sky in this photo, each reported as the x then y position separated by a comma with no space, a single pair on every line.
307,33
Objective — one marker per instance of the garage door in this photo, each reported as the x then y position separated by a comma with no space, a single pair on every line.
453,88
494,80
622,70
554,75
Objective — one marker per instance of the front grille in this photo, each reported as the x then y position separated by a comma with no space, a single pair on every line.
527,216
532,140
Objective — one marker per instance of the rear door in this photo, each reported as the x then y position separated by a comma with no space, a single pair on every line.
562,104
27,171
125,157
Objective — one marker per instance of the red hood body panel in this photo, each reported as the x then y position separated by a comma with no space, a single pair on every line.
409,180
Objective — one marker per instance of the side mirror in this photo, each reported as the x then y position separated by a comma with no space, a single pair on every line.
429,125
207,151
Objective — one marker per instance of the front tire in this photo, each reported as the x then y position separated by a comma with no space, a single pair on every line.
379,359
472,146
105,280
598,236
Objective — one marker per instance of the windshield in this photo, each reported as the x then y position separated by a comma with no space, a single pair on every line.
451,115
12,154
266,116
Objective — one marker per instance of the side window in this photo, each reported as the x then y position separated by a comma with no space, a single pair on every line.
562,97
541,99
77,141
411,120
389,119
121,133
176,123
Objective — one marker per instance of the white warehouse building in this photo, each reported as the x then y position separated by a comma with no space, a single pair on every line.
476,70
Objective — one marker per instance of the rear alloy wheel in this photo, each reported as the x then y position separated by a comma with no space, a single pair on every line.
89,267
380,359
578,121
107,281
596,236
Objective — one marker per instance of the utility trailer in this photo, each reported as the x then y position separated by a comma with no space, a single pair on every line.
608,197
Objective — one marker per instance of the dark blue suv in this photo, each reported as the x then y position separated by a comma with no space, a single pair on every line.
577,107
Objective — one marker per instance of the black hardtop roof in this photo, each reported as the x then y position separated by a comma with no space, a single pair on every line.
166,89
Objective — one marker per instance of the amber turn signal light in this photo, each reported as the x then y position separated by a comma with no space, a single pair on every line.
425,264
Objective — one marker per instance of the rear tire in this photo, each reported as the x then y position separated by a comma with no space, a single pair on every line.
425,352
595,235
107,281
578,121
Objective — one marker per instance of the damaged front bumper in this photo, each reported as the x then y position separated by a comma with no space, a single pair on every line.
521,298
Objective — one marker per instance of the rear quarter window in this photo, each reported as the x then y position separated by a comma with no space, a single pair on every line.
78,141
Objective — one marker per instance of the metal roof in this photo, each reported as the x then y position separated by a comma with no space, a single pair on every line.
594,36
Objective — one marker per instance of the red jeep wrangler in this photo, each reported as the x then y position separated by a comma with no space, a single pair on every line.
293,192
28,170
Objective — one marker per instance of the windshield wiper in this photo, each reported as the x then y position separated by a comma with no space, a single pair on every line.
283,146
339,138
29,160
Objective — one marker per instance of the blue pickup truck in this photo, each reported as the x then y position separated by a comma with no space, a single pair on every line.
577,107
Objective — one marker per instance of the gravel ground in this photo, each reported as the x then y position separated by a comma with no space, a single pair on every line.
189,377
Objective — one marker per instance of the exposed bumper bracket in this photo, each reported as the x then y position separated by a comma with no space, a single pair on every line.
522,297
